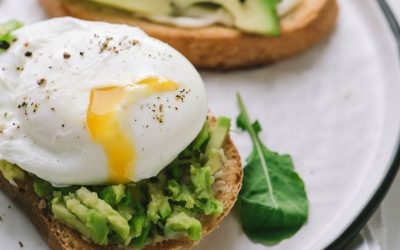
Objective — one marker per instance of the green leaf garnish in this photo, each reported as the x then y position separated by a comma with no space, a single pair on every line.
273,202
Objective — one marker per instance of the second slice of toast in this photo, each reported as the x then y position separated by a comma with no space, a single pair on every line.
218,47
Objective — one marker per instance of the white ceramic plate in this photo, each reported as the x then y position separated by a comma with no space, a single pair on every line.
335,109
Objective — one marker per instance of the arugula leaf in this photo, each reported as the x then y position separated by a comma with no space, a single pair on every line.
273,202
6,38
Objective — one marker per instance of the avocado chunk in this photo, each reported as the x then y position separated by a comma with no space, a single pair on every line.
183,223
42,188
113,194
126,207
158,208
118,223
211,206
126,212
11,172
139,242
138,223
181,193
216,159
203,180
94,221
254,16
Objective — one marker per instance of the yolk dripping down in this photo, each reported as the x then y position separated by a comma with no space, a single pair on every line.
104,126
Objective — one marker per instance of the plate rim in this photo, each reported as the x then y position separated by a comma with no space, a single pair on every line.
353,229
372,205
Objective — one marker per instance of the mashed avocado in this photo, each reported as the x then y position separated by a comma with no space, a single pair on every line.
166,206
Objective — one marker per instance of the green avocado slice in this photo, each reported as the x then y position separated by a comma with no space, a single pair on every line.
63,215
253,16
94,221
118,223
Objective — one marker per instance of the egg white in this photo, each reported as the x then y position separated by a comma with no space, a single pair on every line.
45,96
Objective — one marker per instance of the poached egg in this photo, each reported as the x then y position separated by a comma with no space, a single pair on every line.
87,103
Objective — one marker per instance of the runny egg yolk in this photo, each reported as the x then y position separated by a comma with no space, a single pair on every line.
106,106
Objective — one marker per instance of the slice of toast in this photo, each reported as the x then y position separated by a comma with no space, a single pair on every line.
218,47
61,237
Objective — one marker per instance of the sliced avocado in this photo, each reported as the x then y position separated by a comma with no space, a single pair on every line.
118,223
94,221
202,137
254,16
182,222
97,224
63,215
218,134
11,172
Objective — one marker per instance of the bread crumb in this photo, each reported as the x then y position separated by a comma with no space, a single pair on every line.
219,174
221,186
21,245
42,204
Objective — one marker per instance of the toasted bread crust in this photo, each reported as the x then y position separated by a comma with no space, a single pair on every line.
61,237
219,47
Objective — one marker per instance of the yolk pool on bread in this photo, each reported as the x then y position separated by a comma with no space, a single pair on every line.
103,122
95,103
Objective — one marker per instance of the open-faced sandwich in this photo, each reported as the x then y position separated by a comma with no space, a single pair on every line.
106,139
218,34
